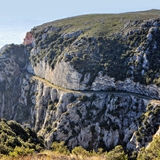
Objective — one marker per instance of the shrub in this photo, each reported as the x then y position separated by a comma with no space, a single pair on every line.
12,135
60,148
157,82
81,151
51,107
117,154
13,142
17,128
83,98
50,102
152,151
21,151
4,149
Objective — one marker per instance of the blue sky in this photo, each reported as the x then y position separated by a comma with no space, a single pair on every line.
51,9
18,16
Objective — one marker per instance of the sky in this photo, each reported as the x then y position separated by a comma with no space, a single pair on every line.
17,17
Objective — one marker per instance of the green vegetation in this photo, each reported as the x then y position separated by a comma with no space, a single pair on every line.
152,151
52,105
98,24
83,98
21,57
79,152
145,128
60,148
21,151
117,154
16,141
50,48
102,42
13,136
12,148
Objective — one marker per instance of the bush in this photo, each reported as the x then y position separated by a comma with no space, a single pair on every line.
81,151
4,149
60,148
157,82
21,151
51,107
83,98
12,142
152,151
13,135
117,154
17,128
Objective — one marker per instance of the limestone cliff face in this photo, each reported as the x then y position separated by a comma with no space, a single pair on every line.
96,64
91,91
89,119
63,75
66,76
13,61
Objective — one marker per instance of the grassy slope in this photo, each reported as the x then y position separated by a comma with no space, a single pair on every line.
100,24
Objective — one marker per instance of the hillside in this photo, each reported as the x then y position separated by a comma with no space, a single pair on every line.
114,47
90,81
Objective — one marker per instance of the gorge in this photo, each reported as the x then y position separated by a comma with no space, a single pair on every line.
90,81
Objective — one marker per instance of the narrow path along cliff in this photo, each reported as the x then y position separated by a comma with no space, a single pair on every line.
87,92
103,115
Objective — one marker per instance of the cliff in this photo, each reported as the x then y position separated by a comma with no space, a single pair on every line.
91,80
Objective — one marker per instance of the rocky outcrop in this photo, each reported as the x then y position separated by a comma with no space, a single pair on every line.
78,118
29,39
72,34
148,125
83,64
66,76
89,119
